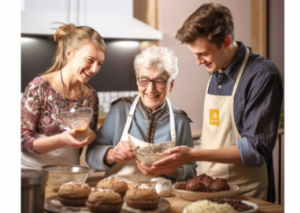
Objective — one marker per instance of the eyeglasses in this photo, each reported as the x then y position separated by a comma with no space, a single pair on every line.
158,82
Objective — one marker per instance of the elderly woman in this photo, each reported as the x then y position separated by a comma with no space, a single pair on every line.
149,118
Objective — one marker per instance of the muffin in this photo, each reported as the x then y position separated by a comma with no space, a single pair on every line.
219,184
194,185
181,186
74,193
204,183
206,180
142,196
104,201
116,184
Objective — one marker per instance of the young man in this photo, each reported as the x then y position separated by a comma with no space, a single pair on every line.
241,109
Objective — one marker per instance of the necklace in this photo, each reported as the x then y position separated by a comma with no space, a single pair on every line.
63,86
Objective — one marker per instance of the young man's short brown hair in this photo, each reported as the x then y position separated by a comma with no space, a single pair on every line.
211,21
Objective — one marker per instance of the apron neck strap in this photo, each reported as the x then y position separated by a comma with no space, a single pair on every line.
131,114
241,71
129,118
172,121
239,74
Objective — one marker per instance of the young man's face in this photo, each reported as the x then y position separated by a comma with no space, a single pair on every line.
208,54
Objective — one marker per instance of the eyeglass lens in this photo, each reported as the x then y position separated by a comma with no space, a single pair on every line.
144,82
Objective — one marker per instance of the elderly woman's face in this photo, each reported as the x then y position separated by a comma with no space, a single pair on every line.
152,95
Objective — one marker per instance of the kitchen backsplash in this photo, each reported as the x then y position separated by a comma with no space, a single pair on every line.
116,73
105,99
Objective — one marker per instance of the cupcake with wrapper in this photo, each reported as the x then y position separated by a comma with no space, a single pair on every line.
74,193
142,196
114,183
104,201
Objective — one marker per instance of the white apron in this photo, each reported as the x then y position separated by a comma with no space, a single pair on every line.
128,170
219,130
61,156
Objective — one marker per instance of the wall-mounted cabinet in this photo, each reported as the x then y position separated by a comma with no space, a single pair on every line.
113,19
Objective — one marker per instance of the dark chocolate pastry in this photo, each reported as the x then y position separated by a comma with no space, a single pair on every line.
219,184
206,180
204,183
195,186
181,186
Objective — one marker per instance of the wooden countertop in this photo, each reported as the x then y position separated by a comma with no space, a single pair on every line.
178,204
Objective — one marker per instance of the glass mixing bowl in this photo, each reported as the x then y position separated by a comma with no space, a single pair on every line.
60,174
79,120
150,154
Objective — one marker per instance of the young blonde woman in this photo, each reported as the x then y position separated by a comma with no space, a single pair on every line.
80,53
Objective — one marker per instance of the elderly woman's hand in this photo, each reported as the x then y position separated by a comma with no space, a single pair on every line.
121,152
154,171
179,156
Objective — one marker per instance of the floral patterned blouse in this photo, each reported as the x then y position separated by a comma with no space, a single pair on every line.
41,107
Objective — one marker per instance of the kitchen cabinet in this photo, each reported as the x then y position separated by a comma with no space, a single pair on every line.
37,16
112,19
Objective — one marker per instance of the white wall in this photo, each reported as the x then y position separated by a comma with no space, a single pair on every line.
276,55
189,88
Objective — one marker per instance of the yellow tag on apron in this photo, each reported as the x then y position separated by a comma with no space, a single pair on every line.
214,117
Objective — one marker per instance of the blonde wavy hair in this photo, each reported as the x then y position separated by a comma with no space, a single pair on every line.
68,35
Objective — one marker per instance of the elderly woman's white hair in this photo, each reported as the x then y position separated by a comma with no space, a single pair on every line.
159,57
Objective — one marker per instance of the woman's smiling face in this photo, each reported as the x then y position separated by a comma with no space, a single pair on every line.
152,96
86,62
